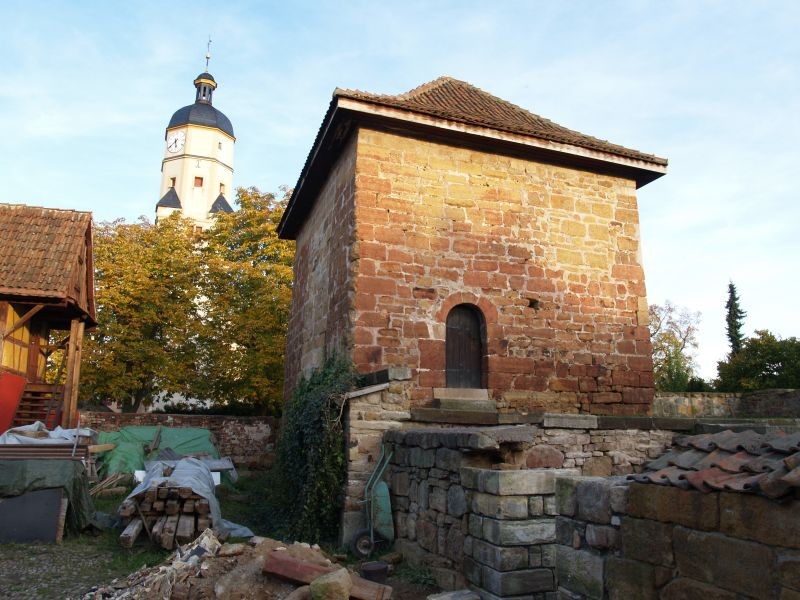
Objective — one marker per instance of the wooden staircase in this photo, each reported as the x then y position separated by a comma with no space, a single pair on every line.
40,402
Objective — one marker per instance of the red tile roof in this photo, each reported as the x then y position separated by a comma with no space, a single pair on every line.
40,249
460,101
745,461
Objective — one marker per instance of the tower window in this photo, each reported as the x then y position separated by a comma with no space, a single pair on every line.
219,145
221,188
172,182
198,182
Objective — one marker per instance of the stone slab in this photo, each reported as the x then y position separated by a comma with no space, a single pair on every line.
568,421
519,533
460,394
514,583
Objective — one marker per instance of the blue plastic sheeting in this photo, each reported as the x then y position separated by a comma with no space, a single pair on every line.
129,455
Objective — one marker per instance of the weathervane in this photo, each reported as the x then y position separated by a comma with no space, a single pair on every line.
208,51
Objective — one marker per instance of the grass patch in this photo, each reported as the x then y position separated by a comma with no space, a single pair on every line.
417,575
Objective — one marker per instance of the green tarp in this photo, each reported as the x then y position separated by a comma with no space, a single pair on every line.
129,454
20,476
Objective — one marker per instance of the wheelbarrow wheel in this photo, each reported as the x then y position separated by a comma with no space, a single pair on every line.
362,545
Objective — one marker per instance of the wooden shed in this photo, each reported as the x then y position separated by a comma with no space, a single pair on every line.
46,303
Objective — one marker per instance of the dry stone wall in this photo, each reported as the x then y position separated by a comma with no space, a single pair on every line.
249,441
621,540
468,505
760,404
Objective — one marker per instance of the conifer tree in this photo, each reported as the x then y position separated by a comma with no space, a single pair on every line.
734,320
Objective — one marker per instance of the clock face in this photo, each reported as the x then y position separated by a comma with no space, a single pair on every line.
175,141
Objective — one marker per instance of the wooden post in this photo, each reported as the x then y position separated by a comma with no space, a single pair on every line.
3,319
70,402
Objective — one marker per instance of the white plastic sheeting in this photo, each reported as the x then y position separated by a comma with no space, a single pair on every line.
57,436
193,473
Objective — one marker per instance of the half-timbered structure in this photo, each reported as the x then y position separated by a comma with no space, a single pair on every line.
46,303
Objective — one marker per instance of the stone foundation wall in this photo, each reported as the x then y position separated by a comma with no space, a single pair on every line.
761,404
249,441
617,540
477,505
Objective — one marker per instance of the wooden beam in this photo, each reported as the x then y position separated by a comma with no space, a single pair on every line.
23,319
70,401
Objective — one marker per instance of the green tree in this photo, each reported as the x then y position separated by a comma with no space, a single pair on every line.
763,362
734,320
247,288
148,297
673,333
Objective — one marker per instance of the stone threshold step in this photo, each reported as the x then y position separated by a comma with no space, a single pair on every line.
471,417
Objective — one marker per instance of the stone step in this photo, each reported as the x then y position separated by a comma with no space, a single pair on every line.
460,394
466,404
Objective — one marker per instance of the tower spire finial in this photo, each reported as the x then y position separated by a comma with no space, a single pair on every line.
208,51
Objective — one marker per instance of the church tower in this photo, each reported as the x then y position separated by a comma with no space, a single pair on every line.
197,169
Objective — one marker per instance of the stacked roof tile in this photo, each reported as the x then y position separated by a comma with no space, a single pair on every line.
460,101
39,249
745,461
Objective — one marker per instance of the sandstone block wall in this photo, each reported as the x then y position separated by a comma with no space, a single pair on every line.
466,506
617,540
550,255
760,404
319,320
249,441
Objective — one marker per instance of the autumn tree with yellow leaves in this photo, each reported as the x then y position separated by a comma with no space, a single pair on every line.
200,316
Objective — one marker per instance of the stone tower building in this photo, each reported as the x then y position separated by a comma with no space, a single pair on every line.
197,169
489,258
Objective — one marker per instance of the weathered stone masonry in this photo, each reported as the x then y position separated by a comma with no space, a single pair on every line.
402,214
439,225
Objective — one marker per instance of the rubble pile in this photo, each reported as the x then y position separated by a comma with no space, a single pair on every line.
262,568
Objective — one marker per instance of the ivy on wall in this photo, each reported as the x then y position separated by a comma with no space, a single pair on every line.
310,464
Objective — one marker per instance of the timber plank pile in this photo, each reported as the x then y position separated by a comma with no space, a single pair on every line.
169,515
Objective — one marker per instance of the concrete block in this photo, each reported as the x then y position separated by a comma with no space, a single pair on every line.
580,571
566,421
514,583
519,533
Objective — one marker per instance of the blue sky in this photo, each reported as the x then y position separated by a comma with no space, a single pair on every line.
88,88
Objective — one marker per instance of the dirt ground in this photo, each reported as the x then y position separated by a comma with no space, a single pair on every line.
81,563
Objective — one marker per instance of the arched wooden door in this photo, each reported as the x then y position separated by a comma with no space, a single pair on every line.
464,347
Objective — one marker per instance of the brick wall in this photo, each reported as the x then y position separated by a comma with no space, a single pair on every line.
319,320
550,255
249,441
647,541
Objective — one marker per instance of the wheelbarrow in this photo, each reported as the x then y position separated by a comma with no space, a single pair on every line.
377,511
